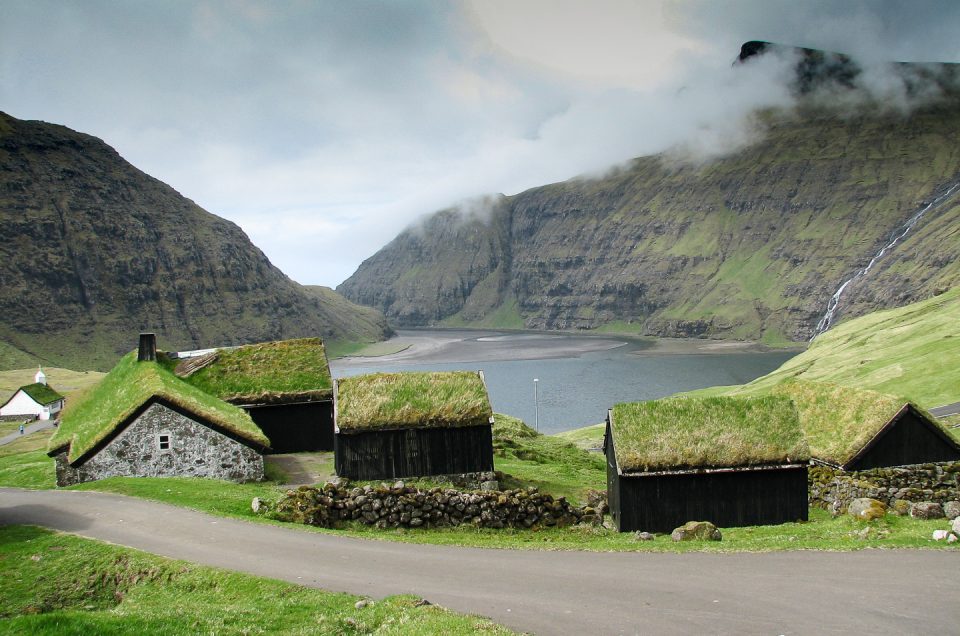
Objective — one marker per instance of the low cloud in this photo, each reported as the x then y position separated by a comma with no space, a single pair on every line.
325,128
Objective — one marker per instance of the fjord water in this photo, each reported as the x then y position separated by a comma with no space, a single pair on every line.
580,377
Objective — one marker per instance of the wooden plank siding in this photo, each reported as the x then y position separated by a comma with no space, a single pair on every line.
295,428
908,439
660,502
413,452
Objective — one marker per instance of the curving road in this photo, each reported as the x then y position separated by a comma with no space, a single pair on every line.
872,591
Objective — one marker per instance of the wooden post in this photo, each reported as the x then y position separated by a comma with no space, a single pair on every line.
148,347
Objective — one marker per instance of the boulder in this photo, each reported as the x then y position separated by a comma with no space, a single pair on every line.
696,530
955,526
643,536
951,509
940,535
900,507
866,509
257,505
926,510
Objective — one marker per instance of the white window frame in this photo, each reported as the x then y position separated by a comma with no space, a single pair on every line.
161,441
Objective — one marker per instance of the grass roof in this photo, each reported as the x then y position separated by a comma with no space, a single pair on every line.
127,387
268,372
839,421
380,401
41,393
716,432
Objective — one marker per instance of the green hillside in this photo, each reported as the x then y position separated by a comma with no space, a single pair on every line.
96,251
913,351
748,246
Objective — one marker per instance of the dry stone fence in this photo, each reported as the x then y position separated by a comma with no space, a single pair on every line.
399,505
835,489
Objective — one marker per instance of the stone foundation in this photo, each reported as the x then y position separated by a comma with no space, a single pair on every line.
399,505
834,489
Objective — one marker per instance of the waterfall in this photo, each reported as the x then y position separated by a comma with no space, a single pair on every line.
834,302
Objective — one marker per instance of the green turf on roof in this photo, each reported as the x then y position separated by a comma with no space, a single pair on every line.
382,401
268,372
41,393
128,386
719,432
839,421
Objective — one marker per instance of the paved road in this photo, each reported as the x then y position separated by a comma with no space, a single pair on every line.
872,592
948,409
33,427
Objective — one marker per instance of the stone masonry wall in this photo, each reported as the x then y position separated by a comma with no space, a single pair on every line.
195,451
830,488
399,505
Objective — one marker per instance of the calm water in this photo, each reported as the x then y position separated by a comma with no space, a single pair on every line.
577,382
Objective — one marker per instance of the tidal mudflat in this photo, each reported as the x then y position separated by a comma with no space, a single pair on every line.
579,376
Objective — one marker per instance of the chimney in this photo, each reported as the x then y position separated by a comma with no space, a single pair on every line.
148,347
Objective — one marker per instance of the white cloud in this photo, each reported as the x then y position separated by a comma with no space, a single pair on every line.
324,128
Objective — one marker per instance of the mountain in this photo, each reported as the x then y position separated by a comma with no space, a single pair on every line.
749,246
95,251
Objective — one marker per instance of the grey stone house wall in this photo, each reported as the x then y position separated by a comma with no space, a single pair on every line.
195,451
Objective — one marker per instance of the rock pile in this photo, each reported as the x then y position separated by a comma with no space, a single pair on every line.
399,505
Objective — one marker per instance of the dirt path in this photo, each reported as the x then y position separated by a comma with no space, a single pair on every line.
872,591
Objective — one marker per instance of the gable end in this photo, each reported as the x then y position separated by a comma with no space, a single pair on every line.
173,407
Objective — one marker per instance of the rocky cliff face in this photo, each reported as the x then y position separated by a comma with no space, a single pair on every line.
749,246
94,251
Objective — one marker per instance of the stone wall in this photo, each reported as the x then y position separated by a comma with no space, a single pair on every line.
835,489
195,450
399,505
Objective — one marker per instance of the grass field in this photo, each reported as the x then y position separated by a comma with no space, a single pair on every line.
529,459
61,584
66,382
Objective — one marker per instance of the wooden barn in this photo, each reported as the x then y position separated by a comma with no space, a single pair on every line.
285,386
730,461
142,421
413,424
856,429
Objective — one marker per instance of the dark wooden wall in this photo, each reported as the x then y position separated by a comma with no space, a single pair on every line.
728,499
414,452
910,440
296,428
613,480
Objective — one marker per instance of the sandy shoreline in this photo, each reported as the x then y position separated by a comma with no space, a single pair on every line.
469,345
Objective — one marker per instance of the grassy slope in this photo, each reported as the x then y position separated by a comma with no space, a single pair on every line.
61,584
64,381
912,351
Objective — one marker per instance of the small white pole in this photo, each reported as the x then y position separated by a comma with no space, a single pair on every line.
536,403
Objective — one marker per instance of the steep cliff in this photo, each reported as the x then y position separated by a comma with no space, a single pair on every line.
93,251
752,245
749,246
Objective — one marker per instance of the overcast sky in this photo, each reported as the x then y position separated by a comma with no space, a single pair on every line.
325,128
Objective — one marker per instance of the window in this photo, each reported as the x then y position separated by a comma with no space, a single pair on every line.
163,441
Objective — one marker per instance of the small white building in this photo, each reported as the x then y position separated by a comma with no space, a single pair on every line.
34,400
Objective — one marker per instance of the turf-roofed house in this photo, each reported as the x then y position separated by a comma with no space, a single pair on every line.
143,421
856,429
284,385
731,461
412,424
37,400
